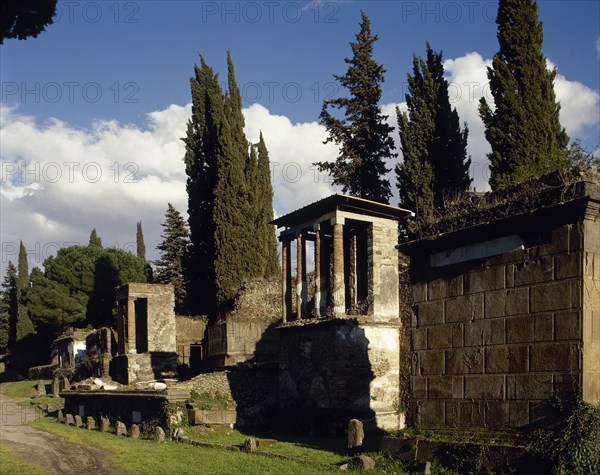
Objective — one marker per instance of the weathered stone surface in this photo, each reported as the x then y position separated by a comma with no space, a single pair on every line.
554,357
104,424
55,387
40,388
505,359
419,338
506,302
60,417
363,462
120,428
78,421
544,327
178,433
484,387
529,386
90,423
534,271
568,265
430,412
64,383
484,332
431,362
520,329
430,313
250,445
464,361
439,336
557,295
158,435
464,308
418,385
487,279
443,288
568,325
355,433
70,419
134,432
445,387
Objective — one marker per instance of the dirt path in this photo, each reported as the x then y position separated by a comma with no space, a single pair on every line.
47,450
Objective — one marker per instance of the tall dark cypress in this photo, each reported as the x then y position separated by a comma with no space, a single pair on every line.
523,130
8,308
267,231
201,148
435,163
363,133
24,325
139,242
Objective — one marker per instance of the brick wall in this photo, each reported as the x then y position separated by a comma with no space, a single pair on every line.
494,338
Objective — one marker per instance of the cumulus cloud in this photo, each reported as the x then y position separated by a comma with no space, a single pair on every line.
60,181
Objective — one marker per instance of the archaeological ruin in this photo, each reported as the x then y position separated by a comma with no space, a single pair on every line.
503,316
339,350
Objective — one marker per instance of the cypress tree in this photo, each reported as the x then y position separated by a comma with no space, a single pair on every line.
363,134
95,240
24,325
524,130
267,231
232,258
8,308
139,241
434,147
169,267
201,146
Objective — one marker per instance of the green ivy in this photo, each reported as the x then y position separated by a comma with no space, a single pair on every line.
573,446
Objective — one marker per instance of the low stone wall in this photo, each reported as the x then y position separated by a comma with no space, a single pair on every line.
42,372
132,367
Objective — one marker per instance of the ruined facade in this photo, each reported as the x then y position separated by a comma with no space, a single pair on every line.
339,353
146,333
507,313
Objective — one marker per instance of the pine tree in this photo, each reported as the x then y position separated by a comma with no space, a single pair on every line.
95,240
139,240
267,231
434,147
169,267
8,308
363,134
24,325
524,130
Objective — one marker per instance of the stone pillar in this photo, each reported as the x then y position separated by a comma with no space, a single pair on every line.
317,229
299,274
285,251
130,340
352,276
338,290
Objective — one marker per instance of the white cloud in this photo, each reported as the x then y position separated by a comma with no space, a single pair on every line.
59,181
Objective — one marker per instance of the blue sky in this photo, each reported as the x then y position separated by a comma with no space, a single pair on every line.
93,107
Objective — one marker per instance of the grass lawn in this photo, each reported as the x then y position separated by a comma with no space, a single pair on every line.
19,389
148,457
11,464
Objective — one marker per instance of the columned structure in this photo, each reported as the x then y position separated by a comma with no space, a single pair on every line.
340,330
354,250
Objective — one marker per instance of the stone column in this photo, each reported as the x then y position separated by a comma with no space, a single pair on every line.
317,229
130,342
338,290
353,277
299,275
285,271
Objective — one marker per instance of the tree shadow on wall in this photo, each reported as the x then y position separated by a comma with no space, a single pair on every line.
321,380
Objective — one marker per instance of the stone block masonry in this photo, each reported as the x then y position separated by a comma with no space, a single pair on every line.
495,337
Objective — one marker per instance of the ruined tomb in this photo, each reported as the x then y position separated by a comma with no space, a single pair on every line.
146,333
507,307
340,340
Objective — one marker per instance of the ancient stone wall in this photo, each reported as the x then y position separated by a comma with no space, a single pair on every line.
506,317
340,369
189,332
